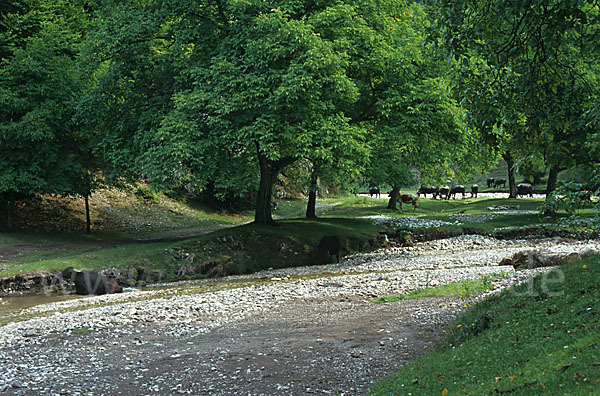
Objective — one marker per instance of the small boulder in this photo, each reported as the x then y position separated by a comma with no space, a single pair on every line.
329,246
525,260
91,282
529,259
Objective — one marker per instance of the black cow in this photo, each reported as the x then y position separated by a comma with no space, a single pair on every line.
458,188
490,182
524,189
500,182
330,245
474,190
443,191
374,191
91,282
428,190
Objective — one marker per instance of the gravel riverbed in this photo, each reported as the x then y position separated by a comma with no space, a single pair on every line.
295,331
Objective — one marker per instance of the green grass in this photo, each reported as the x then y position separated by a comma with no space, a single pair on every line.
118,257
248,248
82,330
464,288
351,207
542,337
259,247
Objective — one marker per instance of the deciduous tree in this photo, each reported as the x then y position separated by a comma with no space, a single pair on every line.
40,145
529,71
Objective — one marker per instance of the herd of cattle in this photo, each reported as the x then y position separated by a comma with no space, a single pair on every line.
445,192
402,197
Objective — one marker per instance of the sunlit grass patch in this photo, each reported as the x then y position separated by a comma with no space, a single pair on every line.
82,330
455,289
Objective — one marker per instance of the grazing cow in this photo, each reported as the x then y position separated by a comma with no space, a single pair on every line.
524,189
408,199
500,182
444,191
474,190
91,282
428,190
374,191
458,188
490,182
330,245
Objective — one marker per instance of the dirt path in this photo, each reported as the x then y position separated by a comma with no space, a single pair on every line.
303,348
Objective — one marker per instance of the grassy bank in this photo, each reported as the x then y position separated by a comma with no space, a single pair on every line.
194,243
238,250
541,337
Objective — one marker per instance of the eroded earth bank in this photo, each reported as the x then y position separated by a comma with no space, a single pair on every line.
298,331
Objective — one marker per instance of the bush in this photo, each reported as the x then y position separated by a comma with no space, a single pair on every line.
574,198
144,193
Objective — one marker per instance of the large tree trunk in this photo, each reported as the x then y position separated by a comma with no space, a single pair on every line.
88,223
312,196
393,197
265,190
268,174
312,203
512,185
552,179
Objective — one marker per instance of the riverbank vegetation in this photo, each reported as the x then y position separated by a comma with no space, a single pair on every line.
171,241
540,337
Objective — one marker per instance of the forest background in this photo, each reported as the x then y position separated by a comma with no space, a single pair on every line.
219,99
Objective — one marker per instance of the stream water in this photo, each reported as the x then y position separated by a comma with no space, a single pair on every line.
11,304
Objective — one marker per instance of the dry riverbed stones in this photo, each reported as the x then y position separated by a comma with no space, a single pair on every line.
105,344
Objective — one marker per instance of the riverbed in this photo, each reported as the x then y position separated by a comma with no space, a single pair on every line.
294,331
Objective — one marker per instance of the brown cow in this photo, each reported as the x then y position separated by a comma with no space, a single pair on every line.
408,199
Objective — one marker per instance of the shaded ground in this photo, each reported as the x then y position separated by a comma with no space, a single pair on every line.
303,347
10,252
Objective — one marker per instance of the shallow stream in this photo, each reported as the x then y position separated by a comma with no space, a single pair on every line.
12,304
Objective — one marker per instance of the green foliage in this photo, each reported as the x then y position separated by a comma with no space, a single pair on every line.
146,194
538,337
528,73
223,96
40,146
533,169
249,84
416,121
575,199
